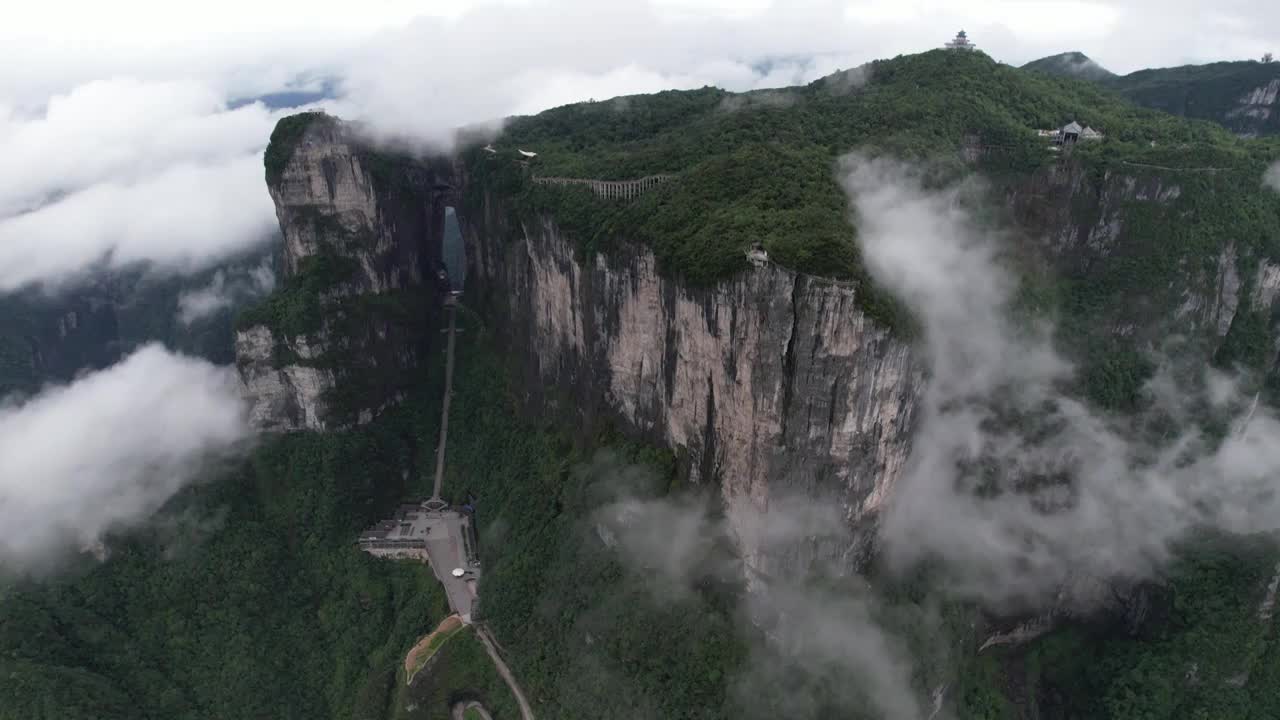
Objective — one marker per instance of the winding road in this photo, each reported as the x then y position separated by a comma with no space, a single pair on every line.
526,711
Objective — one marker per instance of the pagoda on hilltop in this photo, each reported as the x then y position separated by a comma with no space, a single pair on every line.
960,42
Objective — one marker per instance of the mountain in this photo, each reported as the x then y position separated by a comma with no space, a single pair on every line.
685,401
51,336
1073,64
1243,96
726,317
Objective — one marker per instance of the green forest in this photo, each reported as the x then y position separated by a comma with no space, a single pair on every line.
760,168
246,597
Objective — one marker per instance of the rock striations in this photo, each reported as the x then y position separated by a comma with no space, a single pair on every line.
362,234
770,384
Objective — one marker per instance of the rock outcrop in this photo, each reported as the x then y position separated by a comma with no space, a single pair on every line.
770,384
357,224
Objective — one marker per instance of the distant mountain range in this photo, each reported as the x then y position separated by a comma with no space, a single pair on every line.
1244,96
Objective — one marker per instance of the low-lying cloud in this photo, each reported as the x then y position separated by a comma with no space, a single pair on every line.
817,645
1271,178
182,219
121,172
1023,491
226,289
106,451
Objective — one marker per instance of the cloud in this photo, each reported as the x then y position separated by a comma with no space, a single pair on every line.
1024,492
120,130
106,451
817,644
1272,177
225,289
121,172
99,109
492,59
182,219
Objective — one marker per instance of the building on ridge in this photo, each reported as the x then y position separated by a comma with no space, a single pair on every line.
960,42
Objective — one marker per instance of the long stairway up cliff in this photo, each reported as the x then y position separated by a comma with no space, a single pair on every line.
362,237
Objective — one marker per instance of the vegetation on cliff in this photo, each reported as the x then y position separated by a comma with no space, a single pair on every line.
1201,645
585,638
761,167
284,140
1215,91
247,598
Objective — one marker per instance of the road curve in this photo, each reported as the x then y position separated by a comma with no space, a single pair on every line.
459,711
526,711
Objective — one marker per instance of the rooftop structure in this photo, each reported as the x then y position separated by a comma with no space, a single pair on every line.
960,42
403,536
1070,133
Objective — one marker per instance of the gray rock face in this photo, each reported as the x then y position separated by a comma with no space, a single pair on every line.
767,385
284,398
380,216
1258,103
770,384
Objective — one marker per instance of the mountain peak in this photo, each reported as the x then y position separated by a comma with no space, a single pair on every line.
1070,64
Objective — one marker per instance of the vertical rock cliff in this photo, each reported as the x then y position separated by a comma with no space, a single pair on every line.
770,384
767,385
362,233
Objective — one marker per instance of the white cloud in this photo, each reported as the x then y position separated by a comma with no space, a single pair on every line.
106,451
1023,491
808,624
225,289
1272,177
121,171
120,130
182,218
101,103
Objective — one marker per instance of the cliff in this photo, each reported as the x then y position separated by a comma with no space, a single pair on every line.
766,382
770,384
361,248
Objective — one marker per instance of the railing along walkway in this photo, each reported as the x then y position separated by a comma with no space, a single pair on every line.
611,189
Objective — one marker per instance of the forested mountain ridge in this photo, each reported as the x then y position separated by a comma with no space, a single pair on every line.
644,316
720,385
1241,96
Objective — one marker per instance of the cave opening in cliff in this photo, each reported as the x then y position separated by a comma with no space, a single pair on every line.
453,250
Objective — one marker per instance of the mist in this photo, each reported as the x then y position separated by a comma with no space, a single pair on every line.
122,173
104,452
1271,178
1028,496
226,289
817,642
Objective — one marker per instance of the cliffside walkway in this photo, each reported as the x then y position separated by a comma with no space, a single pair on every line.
611,189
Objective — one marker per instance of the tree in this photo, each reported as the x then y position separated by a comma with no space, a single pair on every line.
1267,57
